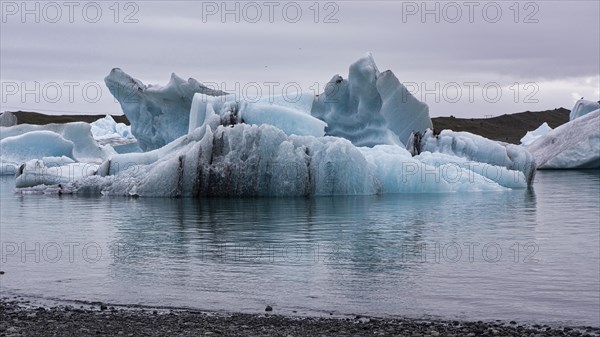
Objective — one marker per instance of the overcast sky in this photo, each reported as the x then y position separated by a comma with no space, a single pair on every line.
476,49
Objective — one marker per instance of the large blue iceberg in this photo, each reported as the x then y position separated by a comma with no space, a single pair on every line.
364,135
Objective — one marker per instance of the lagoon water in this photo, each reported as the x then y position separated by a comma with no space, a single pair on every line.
528,255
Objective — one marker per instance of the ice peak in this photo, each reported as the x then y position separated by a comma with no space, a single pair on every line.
370,108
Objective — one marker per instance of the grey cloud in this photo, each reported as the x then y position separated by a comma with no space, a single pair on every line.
172,37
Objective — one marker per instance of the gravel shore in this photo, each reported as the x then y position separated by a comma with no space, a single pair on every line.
18,318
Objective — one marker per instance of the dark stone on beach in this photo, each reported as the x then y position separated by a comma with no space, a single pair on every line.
1,272
103,307
269,308
19,319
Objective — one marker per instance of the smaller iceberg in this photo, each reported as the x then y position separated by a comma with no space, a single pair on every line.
573,145
8,118
118,135
583,107
532,136
106,128
24,142
35,144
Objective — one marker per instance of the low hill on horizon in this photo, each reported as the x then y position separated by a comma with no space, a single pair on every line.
508,128
37,118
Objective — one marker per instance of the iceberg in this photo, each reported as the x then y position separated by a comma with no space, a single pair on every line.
350,140
158,114
25,142
573,145
36,144
106,128
8,118
583,107
532,136
118,135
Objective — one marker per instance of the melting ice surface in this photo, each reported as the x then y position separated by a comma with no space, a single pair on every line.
364,135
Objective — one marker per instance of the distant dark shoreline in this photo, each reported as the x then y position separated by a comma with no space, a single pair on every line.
27,117
507,128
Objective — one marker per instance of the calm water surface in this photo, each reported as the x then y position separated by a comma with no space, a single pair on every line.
525,255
